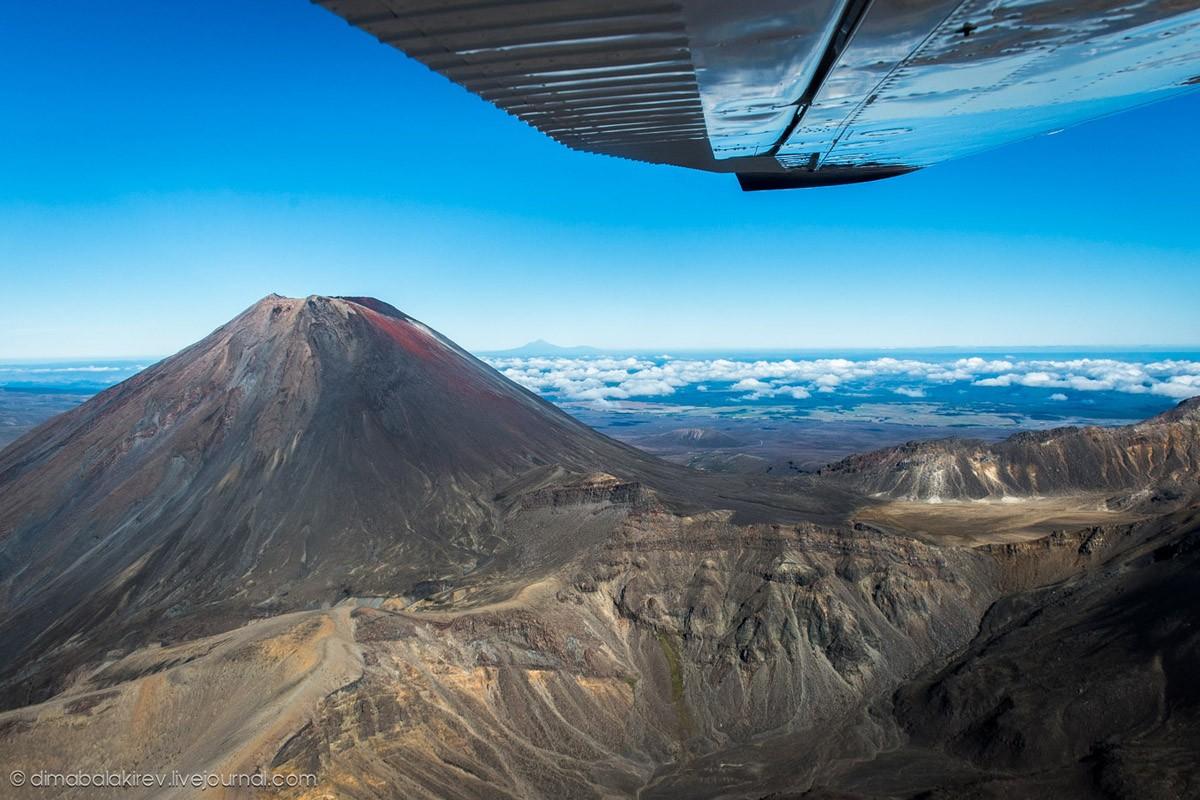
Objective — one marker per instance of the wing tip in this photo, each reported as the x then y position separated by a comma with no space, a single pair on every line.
805,179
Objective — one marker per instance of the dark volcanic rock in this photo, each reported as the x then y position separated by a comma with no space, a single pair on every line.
1092,678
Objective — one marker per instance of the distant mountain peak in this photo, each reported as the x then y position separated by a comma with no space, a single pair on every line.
541,347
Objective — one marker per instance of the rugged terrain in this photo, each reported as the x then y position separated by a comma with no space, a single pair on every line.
326,540
1162,453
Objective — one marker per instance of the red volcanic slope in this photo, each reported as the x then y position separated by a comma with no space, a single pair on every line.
309,449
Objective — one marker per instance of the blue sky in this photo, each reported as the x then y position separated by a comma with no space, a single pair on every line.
163,165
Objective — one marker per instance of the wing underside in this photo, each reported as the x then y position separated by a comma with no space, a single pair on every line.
787,93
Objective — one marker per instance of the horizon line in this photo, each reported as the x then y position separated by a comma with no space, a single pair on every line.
599,350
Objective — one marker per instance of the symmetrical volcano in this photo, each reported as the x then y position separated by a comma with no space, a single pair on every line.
307,450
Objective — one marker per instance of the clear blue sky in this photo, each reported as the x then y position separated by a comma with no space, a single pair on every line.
165,164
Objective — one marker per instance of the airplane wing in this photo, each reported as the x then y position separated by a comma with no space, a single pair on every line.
789,93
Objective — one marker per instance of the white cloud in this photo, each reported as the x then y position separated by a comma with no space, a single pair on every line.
49,370
608,378
1180,387
759,389
1058,396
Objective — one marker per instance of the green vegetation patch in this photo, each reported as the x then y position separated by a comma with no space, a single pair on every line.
670,649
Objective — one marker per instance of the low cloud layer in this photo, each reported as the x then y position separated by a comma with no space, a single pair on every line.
66,374
603,379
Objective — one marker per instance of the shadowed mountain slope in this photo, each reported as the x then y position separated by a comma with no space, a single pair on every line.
1083,687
